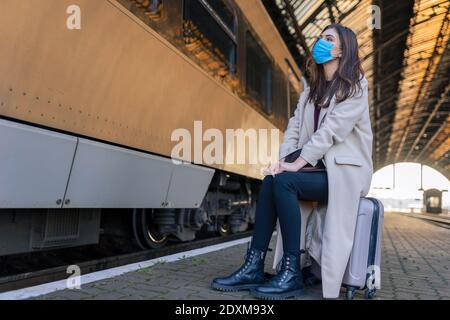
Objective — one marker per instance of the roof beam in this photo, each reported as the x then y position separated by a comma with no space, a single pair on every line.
298,30
430,141
438,105
424,82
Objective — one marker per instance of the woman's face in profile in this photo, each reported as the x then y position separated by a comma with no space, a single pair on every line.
332,36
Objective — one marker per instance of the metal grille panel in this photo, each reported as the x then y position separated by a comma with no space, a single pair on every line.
55,228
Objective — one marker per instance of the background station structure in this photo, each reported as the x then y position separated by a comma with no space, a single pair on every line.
406,62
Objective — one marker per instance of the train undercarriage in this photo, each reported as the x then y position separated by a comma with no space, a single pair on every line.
228,208
223,212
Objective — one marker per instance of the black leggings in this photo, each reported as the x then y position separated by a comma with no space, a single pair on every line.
279,197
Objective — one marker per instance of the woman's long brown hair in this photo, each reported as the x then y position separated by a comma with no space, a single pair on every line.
346,80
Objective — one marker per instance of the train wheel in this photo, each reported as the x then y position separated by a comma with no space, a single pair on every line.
137,229
224,229
145,232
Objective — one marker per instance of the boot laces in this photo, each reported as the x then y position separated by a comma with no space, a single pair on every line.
249,256
281,264
285,264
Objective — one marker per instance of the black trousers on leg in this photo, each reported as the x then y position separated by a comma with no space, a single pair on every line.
278,197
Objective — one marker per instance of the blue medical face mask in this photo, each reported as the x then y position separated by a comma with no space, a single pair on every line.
321,51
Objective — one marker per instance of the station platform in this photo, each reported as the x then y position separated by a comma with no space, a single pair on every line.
415,265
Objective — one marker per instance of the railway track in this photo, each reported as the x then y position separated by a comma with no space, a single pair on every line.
436,220
37,277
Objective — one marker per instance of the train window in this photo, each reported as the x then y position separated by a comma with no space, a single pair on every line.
152,7
293,90
280,99
224,12
210,32
258,74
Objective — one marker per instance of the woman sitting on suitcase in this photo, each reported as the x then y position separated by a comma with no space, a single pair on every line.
331,126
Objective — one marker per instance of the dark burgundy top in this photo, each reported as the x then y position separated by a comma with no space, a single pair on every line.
316,117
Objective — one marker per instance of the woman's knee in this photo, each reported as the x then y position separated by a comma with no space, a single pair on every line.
268,180
283,181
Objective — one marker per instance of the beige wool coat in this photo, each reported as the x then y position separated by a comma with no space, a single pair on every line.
343,140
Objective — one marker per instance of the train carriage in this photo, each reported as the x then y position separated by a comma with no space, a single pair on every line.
87,112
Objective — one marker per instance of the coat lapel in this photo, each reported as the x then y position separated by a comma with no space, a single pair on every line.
309,119
323,112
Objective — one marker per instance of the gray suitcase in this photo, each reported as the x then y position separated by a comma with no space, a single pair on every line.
363,269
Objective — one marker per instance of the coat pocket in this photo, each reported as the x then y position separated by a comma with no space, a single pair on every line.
348,160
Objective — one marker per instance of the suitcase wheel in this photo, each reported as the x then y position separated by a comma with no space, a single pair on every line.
350,293
370,293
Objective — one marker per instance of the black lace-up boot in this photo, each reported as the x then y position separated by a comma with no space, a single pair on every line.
248,276
287,283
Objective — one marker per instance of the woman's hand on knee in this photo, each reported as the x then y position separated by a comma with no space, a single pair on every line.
273,169
289,167
292,166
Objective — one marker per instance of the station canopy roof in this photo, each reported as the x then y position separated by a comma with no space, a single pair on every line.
406,62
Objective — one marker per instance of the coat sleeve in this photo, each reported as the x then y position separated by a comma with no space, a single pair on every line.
291,135
337,125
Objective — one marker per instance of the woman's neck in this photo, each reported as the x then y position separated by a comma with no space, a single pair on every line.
330,68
